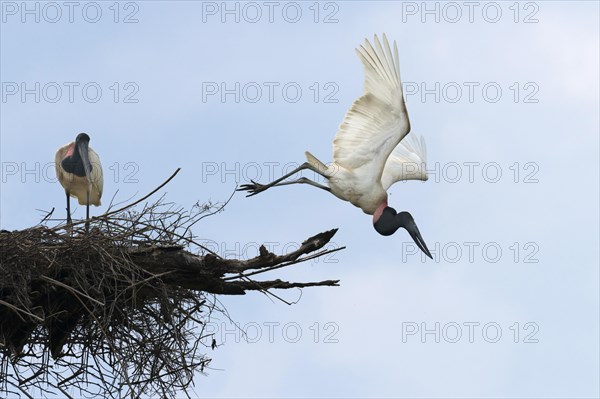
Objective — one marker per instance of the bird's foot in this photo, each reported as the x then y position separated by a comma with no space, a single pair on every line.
253,188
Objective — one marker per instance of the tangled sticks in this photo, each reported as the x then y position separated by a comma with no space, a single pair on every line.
119,311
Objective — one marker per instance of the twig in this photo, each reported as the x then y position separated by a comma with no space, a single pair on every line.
73,290
126,206
19,310
144,197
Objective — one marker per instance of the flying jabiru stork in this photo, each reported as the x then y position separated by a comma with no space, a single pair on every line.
371,150
79,171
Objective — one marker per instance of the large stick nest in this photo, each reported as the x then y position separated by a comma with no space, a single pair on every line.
119,310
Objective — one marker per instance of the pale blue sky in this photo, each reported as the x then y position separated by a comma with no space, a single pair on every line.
175,51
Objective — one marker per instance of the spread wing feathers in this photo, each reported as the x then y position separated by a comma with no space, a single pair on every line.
408,161
377,120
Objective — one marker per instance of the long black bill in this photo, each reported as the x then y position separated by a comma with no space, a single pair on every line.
82,147
414,232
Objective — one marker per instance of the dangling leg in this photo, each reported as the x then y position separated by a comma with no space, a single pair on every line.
256,188
304,180
69,221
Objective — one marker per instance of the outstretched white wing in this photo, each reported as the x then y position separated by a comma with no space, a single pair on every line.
377,121
407,161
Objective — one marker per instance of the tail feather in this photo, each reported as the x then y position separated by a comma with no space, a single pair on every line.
316,163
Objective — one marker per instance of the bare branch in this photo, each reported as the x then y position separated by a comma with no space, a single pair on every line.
121,310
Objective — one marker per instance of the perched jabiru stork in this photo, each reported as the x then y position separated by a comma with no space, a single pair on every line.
371,150
79,171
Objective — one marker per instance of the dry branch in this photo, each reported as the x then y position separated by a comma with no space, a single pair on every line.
120,311
208,273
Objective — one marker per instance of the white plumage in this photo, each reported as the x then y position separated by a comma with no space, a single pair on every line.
79,171
371,150
77,186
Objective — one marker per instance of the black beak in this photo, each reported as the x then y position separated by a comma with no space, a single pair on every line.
414,232
82,147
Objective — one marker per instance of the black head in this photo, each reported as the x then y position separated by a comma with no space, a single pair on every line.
390,221
82,137
387,225
82,142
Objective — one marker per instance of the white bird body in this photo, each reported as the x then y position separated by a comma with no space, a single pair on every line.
79,171
368,150
78,186
353,186
372,148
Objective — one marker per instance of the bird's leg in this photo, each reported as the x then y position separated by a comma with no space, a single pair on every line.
304,180
87,211
69,221
256,188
